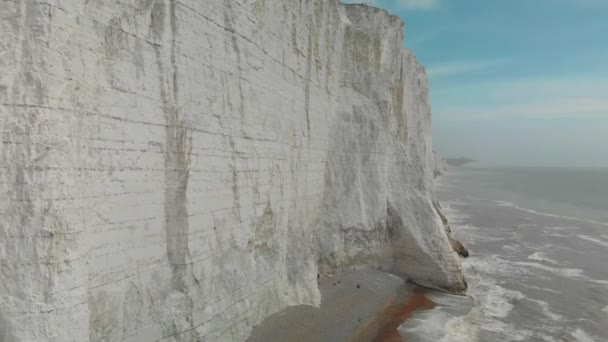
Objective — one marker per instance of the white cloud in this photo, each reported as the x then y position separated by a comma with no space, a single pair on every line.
567,108
548,87
533,98
454,68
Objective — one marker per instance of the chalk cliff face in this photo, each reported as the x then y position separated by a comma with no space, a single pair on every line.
180,170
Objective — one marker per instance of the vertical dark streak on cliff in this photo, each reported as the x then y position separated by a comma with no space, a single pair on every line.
307,81
178,147
25,84
229,27
29,85
42,255
399,105
173,23
229,22
235,180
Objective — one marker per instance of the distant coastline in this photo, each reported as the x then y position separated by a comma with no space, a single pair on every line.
461,161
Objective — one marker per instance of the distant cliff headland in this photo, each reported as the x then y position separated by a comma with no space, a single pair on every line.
460,161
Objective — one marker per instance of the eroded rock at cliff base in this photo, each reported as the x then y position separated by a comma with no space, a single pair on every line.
457,246
378,206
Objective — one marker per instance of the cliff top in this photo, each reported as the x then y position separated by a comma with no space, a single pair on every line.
368,7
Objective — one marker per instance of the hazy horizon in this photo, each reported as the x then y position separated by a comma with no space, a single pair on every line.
516,83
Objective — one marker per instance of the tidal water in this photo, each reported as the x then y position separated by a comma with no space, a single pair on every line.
538,269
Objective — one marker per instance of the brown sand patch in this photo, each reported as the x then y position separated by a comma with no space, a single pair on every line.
383,327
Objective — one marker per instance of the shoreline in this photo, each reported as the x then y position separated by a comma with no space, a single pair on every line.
520,283
359,306
356,305
384,326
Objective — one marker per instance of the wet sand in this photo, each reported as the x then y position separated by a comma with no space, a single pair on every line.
384,326
362,305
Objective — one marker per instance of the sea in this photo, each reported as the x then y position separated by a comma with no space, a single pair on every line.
538,265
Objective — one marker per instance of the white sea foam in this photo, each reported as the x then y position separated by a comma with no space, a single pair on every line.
463,328
491,302
466,227
560,235
446,299
493,265
592,239
496,301
582,336
438,325
512,248
532,211
542,257
493,315
546,309
541,289
565,228
452,214
394,276
456,202
515,206
564,272
479,199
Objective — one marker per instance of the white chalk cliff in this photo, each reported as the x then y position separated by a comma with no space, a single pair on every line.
178,170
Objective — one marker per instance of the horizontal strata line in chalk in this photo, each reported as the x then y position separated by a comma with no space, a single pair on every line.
243,154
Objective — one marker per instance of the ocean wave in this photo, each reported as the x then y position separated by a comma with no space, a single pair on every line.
566,228
497,300
495,266
546,309
512,248
532,211
582,336
542,257
564,272
493,302
491,305
456,202
440,326
492,266
542,289
453,215
497,305
487,313
592,239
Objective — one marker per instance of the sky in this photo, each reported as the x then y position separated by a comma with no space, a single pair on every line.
514,82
